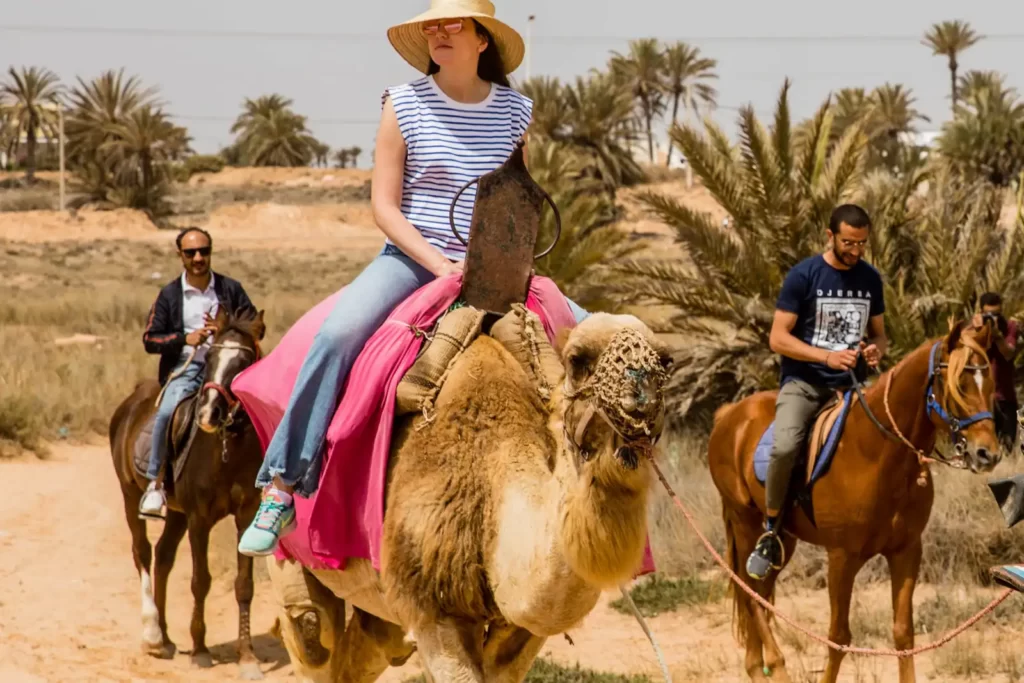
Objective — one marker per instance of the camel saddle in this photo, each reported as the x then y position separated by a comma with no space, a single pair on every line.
181,430
819,448
503,235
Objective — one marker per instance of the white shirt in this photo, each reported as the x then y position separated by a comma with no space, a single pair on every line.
195,303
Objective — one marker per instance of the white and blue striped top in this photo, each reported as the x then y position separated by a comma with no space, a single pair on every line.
449,143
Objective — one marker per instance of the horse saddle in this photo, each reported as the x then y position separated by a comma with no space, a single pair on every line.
820,445
180,430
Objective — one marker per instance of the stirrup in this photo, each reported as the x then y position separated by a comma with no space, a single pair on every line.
154,516
782,549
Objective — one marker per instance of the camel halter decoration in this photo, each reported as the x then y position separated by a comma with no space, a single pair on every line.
616,391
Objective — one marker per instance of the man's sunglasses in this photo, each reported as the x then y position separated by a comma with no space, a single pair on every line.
450,27
190,253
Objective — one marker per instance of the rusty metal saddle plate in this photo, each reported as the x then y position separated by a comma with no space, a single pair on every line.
503,236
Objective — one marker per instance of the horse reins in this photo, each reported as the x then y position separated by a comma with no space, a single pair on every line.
931,406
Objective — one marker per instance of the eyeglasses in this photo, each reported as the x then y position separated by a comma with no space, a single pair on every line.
191,253
450,27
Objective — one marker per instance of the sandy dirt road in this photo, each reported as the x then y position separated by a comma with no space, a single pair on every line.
70,596
70,600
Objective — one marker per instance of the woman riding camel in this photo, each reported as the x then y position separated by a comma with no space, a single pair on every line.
456,123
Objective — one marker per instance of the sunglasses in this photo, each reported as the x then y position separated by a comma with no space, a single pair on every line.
190,253
450,27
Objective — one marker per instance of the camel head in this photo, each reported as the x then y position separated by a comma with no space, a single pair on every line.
614,408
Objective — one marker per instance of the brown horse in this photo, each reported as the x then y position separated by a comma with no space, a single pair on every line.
216,479
875,498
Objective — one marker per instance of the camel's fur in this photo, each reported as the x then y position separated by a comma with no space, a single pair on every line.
493,540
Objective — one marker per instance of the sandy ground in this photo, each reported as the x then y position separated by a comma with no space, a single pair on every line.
70,601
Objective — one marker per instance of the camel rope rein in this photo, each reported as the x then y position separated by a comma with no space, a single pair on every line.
849,649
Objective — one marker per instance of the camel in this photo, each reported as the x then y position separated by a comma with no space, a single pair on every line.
506,515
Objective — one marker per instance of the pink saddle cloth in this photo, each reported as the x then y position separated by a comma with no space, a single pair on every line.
345,517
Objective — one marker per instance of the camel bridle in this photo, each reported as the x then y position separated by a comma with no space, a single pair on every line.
613,392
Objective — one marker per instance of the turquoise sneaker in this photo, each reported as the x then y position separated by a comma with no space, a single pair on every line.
274,520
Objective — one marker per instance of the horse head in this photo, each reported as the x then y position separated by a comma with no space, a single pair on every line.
235,346
960,393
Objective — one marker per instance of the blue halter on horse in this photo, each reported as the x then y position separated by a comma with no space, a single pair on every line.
932,406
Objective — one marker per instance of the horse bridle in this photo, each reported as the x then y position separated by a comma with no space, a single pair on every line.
932,407
229,398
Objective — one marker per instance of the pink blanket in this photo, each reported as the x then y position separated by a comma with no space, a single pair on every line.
345,517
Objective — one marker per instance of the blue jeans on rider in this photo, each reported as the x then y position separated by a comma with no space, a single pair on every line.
294,451
174,391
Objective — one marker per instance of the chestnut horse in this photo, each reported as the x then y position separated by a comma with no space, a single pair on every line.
217,479
875,498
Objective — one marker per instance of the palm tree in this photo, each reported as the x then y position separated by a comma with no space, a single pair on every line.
590,237
260,108
139,148
280,139
684,74
271,134
320,153
599,120
985,140
950,38
29,98
779,192
549,114
642,72
972,83
342,158
99,104
356,151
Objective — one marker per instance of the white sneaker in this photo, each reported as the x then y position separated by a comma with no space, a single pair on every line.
152,504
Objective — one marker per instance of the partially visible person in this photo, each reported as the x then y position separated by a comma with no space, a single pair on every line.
180,322
1001,353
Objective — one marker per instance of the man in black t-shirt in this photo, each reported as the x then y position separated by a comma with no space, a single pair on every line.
828,304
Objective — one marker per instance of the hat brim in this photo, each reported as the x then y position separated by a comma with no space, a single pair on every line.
408,40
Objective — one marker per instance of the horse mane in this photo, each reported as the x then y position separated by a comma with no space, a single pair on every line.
240,321
957,362
959,359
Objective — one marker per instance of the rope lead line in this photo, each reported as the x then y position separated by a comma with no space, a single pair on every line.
849,649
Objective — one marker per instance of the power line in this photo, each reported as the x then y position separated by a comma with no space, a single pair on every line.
319,122
313,35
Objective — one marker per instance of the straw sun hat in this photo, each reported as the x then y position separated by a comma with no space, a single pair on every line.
408,39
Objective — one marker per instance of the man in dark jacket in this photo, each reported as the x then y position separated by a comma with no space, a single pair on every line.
178,328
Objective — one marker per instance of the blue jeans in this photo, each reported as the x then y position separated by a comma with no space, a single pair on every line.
174,391
294,453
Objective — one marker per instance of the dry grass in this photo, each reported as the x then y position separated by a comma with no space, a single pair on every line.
40,197
105,289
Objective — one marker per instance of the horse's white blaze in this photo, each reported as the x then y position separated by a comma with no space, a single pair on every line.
150,616
229,352
979,378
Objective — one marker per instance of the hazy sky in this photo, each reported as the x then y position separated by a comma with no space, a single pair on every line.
333,59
